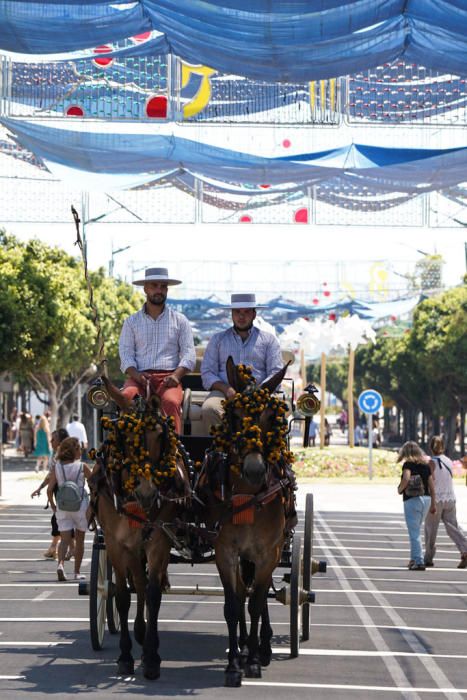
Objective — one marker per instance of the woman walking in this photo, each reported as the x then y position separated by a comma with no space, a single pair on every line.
416,487
445,506
68,467
42,440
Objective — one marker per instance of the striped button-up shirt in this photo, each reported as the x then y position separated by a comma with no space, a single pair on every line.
163,343
261,350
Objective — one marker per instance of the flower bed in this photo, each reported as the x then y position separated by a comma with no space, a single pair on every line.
339,462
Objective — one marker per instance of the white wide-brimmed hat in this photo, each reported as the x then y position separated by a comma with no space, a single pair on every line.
157,274
243,301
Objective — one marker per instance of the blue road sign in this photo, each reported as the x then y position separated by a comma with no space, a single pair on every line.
370,401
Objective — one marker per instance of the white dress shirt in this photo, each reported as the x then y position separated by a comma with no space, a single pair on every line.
164,343
260,350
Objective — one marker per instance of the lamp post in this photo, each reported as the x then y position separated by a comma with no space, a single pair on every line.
115,252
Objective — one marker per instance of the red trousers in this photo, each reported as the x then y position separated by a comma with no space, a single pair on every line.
171,397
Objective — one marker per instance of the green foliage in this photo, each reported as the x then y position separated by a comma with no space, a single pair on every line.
425,368
47,332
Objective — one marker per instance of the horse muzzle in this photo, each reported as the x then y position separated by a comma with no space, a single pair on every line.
254,468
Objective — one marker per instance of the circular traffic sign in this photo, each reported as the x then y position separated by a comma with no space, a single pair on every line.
370,401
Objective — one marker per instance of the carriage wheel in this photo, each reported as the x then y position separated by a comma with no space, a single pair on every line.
307,557
113,618
98,586
295,575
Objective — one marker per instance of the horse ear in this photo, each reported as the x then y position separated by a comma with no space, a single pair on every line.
116,395
155,403
273,382
233,375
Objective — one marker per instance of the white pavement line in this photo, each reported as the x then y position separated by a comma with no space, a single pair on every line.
373,567
441,680
349,530
22,527
409,691
390,627
34,644
178,620
380,558
378,549
353,652
12,678
365,590
410,579
378,607
33,540
42,596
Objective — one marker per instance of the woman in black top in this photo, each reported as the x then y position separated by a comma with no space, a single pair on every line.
417,489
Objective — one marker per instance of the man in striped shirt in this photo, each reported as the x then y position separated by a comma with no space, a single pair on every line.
246,344
156,346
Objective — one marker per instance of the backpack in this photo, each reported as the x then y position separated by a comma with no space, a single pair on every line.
69,496
415,486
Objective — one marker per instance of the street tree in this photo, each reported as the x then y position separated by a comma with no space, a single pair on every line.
47,332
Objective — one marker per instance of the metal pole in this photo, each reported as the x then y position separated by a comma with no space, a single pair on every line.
323,401
1,447
350,406
370,445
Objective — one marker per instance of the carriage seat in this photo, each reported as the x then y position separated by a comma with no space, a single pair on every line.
193,398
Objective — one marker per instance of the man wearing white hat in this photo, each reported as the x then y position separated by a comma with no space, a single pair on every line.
247,345
156,346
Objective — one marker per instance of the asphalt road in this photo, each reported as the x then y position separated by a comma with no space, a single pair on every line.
378,630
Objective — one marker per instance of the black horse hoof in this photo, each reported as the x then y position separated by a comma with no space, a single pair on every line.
152,673
253,670
265,658
233,679
126,668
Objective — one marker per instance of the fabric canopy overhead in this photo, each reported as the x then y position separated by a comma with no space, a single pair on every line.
143,155
275,40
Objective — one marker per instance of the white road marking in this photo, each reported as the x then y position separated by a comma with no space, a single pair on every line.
12,678
354,652
34,644
409,637
42,596
405,691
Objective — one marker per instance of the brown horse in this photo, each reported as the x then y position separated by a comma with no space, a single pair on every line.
249,486
138,486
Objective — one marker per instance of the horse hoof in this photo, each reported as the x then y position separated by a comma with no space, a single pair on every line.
126,668
265,658
152,673
233,679
253,670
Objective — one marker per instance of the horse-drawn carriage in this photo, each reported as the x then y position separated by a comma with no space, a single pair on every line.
228,498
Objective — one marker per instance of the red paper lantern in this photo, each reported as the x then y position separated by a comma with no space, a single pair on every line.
286,143
301,216
265,187
156,107
139,38
315,301
245,219
103,62
327,293
332,317
74,111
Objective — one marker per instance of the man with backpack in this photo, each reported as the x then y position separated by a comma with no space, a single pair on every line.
70,502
